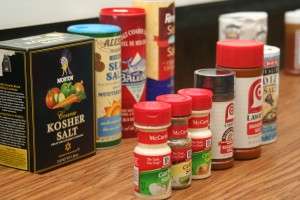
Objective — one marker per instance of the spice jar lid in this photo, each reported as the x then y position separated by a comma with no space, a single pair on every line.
201,98
219,81
240,53
181,105
122,11
95,30
152,113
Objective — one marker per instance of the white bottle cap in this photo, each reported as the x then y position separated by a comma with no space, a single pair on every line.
292,17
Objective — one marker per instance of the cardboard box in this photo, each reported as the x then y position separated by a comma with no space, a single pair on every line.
47,115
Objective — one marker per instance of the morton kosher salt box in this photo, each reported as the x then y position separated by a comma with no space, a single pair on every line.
47,116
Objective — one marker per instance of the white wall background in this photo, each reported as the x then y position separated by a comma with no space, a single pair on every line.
21,13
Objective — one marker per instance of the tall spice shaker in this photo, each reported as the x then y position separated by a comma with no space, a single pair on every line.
160,46
133,36
152,155
107,81
271,92
292,42
199,131
221,83
245,57
178,140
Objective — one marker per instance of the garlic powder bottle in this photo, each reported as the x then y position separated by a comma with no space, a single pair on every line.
152,155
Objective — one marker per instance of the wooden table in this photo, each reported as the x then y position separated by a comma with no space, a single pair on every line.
109,174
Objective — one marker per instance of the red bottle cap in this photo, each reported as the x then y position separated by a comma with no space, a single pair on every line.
202,98
240,54
181,105
122,11
152,113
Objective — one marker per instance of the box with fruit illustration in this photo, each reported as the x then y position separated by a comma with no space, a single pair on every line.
46,101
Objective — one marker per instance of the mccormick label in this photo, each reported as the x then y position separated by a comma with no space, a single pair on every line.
198,122
160,26
248,112
201,156
153,137
133,74
178,131
108,90
152,174
221,125
270,98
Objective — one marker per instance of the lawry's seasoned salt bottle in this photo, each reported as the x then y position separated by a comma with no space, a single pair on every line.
152,155
245,58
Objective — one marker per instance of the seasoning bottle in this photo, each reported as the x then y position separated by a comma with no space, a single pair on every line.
292,42
245,58
221,83
152,155
271,92
199,132
133,47
178,140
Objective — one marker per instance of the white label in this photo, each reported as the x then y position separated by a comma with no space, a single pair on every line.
297,50
248,112
221,125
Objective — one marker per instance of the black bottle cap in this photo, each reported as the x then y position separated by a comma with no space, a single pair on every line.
219,81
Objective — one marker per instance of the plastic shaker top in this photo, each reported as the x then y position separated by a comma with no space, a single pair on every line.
202,98
181,105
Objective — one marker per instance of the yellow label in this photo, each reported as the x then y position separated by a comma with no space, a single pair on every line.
13,157
182,173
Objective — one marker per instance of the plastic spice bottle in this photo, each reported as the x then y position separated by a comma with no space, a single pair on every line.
292,42
245,57
152,155
221,83
178,140
199,131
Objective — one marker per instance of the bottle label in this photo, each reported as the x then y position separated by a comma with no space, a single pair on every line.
181,166
270,98
297,50
108,88
152,174
201,156
199,122
152,137
178,131
221,126
248,112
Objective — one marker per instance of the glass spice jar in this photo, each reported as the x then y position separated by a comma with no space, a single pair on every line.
178,140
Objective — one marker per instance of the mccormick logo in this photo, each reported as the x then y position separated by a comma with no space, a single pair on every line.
65,61
135,71
229,115
271,63
255,97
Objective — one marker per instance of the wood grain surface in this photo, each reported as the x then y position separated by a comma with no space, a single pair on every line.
109,174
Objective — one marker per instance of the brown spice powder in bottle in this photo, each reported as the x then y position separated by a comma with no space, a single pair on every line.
245,58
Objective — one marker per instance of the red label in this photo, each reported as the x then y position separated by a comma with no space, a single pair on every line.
152,137
226,145
199,122
145,163
133,37
201,144
255,97
178,131
229,113
181,154
254,128
166,42
271,63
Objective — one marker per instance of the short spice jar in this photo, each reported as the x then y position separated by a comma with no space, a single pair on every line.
245,58
221,83
178,140
152,155
199,132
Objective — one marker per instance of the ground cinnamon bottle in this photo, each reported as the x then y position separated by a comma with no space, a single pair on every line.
221,83
245,58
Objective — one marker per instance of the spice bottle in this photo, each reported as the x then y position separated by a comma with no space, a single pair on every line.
271,92
152,155
133,47
292,42
178,140
245,58
199,132
221,83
